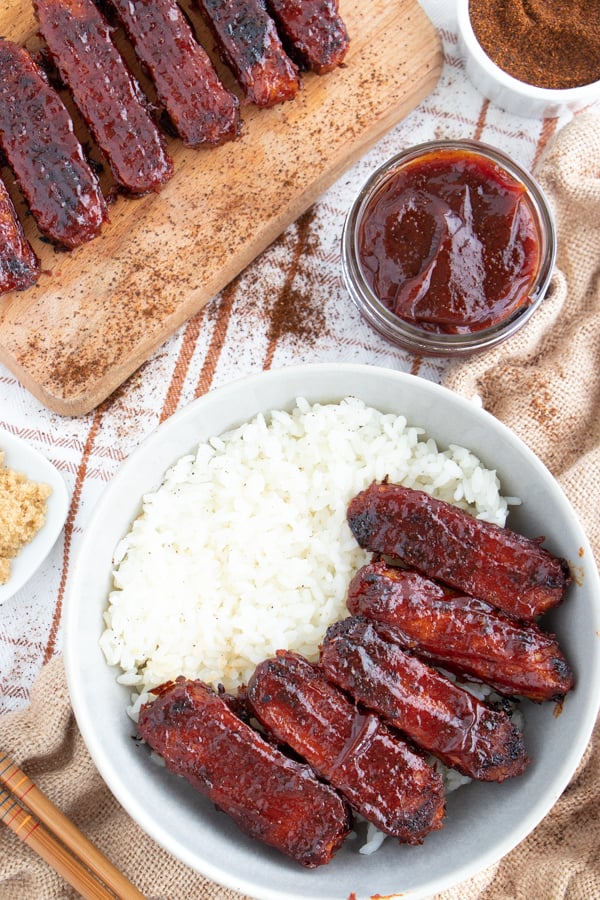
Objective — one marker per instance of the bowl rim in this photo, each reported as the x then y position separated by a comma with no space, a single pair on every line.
76,661
508,82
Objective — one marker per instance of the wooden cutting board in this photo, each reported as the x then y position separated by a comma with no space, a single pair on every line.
100,311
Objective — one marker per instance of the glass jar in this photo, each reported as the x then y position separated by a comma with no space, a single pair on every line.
370,247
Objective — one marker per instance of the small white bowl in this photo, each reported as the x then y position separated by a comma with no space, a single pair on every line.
484,820
18,455
509,93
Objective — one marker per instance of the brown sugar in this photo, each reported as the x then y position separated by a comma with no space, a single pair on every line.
23,509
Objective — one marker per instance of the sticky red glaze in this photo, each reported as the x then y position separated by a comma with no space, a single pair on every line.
444,542
438,715
106,94
270,797
202,110
248,42
314,31
450,242
36,135
464,635
19,266
381,776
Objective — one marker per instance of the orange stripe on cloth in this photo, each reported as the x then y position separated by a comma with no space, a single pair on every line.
548,130
222,314
415,366
481,120
186,352
68,530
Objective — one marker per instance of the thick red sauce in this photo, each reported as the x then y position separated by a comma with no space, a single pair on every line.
450,242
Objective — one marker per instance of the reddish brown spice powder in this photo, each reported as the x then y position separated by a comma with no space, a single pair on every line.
547,43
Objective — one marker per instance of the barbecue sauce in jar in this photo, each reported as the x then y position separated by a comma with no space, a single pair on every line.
450,242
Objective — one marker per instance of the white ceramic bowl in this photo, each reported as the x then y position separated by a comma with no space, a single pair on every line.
484,821
21,457
509,93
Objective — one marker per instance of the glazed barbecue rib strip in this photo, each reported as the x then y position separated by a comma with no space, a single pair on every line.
250,45
202,110
428,708
384,779
464,635
19,266
271,797
508,570
108,97
37,138
312,31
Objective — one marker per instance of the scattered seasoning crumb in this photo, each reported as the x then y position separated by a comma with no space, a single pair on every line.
23,511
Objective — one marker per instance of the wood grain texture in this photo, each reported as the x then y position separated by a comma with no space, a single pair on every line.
99,312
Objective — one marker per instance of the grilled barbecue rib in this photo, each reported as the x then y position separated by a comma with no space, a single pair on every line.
202,110
109,99
464,635
312,32
385,780
19,266
37,138
428,708
248,42
508,570
269,796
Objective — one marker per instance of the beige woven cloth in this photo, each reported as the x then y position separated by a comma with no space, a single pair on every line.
545,384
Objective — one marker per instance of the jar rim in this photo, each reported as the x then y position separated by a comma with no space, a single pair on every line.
408,335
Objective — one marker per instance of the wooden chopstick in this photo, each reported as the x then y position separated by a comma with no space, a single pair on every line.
57,840
49,848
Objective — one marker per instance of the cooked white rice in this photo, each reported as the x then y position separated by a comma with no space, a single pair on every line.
245,548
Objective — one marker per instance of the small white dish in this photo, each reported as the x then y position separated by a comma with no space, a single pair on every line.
21,457
509,93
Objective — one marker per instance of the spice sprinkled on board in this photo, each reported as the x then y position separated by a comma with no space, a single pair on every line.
23,511
551,45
